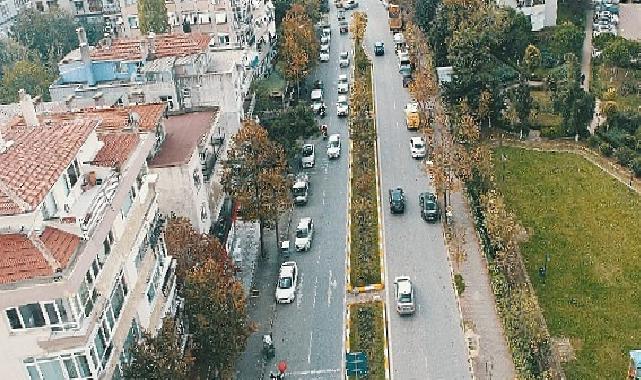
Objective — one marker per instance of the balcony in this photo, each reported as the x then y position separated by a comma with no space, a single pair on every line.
100,198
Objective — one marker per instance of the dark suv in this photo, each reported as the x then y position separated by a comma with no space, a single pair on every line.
430,210
397,200
379,49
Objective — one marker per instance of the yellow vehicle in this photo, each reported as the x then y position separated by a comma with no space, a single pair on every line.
412,116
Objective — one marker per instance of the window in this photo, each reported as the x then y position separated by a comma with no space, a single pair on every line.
32,315
223,39
204,18
126,206
73,172
153,283
80,6
221,18
133,22
50,208
65,185
14,320
121,68
63,366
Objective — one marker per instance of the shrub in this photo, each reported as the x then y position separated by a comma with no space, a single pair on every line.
624,155
459,284
606,149
594,141
552,131
636,167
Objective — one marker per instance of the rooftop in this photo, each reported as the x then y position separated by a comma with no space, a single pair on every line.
36,159
166,45
184,133
20,259
116,149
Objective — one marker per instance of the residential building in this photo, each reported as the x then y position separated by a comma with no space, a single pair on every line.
542,13
8,11
185,167
83,264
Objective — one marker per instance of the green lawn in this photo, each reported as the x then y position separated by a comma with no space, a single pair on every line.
590,226
367,334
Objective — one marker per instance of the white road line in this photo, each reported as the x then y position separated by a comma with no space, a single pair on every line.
299,297
323,197
309,355
314,372
315,287
332,284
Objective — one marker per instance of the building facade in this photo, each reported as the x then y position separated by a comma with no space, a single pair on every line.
542,13
83,265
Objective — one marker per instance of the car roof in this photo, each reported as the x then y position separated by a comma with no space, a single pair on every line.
416,139
404,285
342,76
335,136
308,145
379,43
342,98
304,221
287,269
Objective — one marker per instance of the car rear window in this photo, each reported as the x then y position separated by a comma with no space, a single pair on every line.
285,282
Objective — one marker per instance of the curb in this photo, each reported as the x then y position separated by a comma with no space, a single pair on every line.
386,360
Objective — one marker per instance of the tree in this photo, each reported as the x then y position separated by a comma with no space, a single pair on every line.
575,106
51,34
531,59
620,51
152,15
12,52
217,316
424,87
31,76
159,356
299,45
566,38
95,30
359,24
190,248
521,100
255,176
291,125
311,8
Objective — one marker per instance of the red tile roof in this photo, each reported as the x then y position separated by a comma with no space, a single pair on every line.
35,161
184,132
21,260
61,245
116,149
167,45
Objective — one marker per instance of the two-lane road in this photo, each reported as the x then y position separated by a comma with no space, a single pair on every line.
429,344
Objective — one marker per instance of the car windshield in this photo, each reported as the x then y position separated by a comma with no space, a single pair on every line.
396,195
301,232
430,206
333,144
299,191
419,145
285,283
405,298
307,151
343,55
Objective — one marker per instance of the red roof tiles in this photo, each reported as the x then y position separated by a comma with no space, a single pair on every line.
61,245
167,45
35,161
116,149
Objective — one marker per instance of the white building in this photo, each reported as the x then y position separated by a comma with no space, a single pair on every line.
8,11
83,265
542,13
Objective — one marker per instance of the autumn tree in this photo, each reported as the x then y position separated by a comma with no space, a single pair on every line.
153,16
215,308
299,46
531,59
255,175
159,356
359,24
190,248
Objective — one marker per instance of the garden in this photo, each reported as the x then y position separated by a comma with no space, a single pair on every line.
367,335
581,253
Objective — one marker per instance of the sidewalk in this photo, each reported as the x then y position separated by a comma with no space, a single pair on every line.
490,354
261,307
586,55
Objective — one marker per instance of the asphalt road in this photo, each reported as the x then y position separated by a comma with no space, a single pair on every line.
308,333
429,344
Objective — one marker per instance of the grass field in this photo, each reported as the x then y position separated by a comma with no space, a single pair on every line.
367,334
589,224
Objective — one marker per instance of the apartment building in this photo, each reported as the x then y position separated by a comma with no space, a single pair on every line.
542,13
8,11
83,265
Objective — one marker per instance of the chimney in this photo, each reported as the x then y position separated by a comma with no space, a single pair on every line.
82,35
144,50
151,45
27,108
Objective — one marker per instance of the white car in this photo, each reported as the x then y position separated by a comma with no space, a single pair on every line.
343,61
342,108
417,147
308,156
304,234
324,41
404,295
343,84
334,146
287,281
324,56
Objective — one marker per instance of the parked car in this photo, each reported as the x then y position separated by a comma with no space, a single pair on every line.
430,210
308,156
324,53
304,234
404,295
350,4
334,146
341,15
287,281
418,148
300,189
397,200
379,48
343,60
342,107
343,26
343,84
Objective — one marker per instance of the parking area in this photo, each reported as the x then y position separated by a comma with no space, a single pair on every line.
606,17
630,21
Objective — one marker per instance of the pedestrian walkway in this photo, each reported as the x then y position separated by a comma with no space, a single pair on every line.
586,55
491,357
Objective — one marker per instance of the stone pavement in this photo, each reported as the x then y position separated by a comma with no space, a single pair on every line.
262,306
491,357
586,54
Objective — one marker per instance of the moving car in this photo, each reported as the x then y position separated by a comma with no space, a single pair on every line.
300,189
343,84
317,98
342,108
334,146
343,26
404,295
308,156
417,147
430,210
304,234
379,48
397,200
287,281
343,61
412,116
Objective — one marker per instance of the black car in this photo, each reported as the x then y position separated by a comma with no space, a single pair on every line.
430,211
318,84
379,49
397,200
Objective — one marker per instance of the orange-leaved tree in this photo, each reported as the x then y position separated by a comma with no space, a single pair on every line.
299,48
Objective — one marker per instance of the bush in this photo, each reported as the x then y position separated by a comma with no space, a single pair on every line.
552,131
593,141
624,155
459,284
606,149
636,167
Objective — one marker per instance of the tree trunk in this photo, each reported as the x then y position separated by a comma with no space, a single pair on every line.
263,253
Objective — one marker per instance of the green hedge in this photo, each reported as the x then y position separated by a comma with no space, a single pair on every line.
367,334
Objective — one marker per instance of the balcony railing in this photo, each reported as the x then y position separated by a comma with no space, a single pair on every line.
98,206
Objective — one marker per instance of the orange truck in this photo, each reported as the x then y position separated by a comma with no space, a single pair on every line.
395,17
